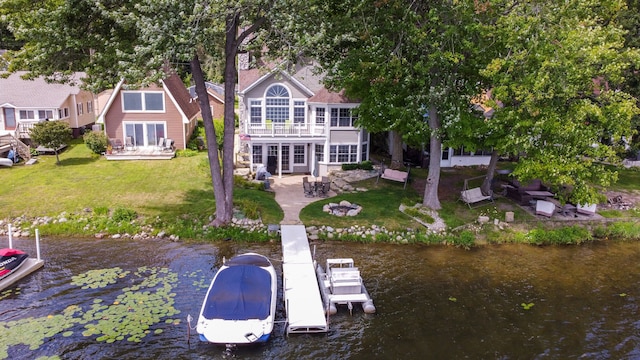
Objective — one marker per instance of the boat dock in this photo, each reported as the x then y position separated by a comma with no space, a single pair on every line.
303,303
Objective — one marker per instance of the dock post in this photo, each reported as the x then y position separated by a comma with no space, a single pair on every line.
10,237
38,244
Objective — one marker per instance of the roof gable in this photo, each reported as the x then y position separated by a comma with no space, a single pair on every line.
173,87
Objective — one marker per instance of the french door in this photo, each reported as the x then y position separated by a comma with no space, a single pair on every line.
145,134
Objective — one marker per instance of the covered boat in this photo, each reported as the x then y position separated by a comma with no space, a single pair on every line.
240,305
341,284
10,261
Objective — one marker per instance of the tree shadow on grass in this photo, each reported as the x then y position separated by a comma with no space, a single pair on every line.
76,160
196,203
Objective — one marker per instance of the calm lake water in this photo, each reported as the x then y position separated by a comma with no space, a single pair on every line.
494,302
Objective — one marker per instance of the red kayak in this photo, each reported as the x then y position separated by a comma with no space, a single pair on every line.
10,261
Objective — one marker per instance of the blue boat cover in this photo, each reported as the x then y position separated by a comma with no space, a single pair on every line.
239,292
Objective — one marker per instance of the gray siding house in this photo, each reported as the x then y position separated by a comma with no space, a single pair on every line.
290,123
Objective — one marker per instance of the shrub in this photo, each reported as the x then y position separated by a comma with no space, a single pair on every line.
465,239
560,236
186,153
123,215
249,208
101,210
96,141
365,165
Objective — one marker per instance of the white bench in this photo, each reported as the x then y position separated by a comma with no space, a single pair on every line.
394,175
473,196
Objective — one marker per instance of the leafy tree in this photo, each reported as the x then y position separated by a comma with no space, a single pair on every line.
139,40
415,65
52,135
558,77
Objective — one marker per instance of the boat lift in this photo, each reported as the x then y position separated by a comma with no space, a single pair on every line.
30,265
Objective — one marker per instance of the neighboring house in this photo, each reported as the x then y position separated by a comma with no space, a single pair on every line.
290,123
216,98
145,116
26,102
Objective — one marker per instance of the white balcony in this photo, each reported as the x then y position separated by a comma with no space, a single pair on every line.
285,129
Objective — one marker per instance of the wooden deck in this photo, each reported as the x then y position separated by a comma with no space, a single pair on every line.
141,154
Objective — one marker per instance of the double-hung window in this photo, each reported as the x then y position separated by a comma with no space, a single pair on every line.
298,154
342,117
343,153
255,111
45,114
299,112
27,115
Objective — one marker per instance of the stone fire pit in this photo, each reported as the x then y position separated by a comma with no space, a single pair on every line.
344,208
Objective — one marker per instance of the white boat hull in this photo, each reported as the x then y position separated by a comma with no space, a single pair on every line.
6,162
220,321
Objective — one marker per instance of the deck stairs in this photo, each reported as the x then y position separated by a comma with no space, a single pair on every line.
8,142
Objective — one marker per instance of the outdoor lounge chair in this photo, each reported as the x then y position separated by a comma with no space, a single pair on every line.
160,144
168,145
129,143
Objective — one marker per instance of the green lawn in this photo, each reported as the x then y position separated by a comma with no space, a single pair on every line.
83,180
178,193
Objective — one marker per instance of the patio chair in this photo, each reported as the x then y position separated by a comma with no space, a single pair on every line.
306,186
168,145
160,145
325,186
116,144
129,143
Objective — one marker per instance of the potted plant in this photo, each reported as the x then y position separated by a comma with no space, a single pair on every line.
109,149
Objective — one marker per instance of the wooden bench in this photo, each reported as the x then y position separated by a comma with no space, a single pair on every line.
474,196
394,175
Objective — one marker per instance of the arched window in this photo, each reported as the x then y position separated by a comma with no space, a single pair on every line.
277,104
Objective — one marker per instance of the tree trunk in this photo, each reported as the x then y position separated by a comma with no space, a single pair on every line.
431,199
212,147
230,81
396,149
488,180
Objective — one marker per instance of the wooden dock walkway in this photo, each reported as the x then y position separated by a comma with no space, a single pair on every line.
303,303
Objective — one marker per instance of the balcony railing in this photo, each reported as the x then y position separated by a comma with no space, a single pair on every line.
284,129
24,127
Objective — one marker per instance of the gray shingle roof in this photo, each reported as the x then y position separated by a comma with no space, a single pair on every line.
37,93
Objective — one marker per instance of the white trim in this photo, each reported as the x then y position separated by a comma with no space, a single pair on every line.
272,72
144,101
185,120
110,101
